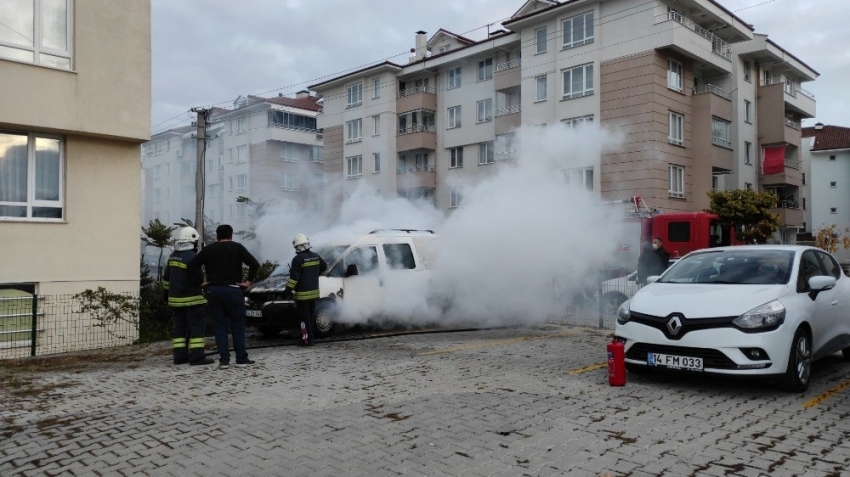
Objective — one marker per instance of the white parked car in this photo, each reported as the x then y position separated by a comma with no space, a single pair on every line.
752,310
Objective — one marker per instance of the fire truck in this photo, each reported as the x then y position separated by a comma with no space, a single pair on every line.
681,232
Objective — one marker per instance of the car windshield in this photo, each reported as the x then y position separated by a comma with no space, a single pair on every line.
740,266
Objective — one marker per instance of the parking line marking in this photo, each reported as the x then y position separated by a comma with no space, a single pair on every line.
828,394
496,343
585,369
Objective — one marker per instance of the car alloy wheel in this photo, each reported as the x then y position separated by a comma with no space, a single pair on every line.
325,314
799,370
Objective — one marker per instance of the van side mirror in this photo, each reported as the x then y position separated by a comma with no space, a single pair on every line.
351,270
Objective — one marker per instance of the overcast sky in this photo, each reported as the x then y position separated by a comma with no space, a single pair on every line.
208,52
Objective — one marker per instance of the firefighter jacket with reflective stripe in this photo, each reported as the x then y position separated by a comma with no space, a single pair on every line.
304,275
183,283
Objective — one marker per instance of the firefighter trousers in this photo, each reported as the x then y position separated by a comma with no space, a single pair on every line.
188,334
307,314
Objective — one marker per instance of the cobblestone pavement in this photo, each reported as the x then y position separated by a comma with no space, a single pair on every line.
503,402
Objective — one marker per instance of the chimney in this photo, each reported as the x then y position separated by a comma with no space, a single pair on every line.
302,94
421,47
819,126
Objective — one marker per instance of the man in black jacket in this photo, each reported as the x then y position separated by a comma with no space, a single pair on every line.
663,256
223,263
186,300
303,285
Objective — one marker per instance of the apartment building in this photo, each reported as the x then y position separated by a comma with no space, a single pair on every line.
826,179
699,100
266,149
75,90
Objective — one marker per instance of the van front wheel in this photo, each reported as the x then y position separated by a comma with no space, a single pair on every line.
326,315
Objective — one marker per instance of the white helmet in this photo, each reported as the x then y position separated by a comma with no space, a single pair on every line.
301,243
187,238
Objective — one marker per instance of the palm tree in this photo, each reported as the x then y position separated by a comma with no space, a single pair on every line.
158,235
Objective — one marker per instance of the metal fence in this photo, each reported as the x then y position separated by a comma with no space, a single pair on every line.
595,304
34,325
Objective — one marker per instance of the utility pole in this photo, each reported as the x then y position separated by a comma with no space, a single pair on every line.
200,171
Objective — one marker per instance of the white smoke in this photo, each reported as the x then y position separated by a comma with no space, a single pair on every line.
515,251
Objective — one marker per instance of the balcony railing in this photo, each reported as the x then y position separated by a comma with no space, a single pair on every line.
416,90
508,65
508,110
790,86
294,128
710,88
792,124
717,141
415,168
792,163
788,204
718,46
415,129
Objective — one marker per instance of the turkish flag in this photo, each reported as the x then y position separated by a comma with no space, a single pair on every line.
773,160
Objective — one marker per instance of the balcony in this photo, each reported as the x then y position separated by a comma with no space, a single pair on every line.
507,74
789,213
416,97
420,175
680,33
507,119
709,102
791,176
784,89
416,137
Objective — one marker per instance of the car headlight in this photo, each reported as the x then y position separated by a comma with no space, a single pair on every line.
769,315
624,313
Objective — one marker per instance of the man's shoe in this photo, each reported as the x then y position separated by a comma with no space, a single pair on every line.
202,362
244,362
223,364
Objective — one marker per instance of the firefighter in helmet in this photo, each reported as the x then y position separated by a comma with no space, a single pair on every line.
186,300
303,285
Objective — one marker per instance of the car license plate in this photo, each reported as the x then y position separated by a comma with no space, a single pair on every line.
254,313
674,362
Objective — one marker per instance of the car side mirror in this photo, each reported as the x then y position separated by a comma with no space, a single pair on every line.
820,283
351,270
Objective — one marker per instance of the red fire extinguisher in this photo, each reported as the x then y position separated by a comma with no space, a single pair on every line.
616,363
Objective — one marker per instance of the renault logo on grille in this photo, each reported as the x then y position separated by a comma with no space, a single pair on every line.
674,324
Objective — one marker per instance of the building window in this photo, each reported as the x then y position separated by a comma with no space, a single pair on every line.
282,119
454,78
457,197
578,30
540,36
453,117
748,186
748,152
541,88
241,182
289,182
833,184
803,203
484,109
748,111
421,162
676,181
747,71
376,156
240,212
242,125
230,187
721,132
157,195
580,178
37,32
289,152
456,160
674,75
157,171
242,154
376,88
833,210
804,178
355,130
832,158
578,81
573,123
354,167
31,176
485,69
486,152
355,95
676,127
376,124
